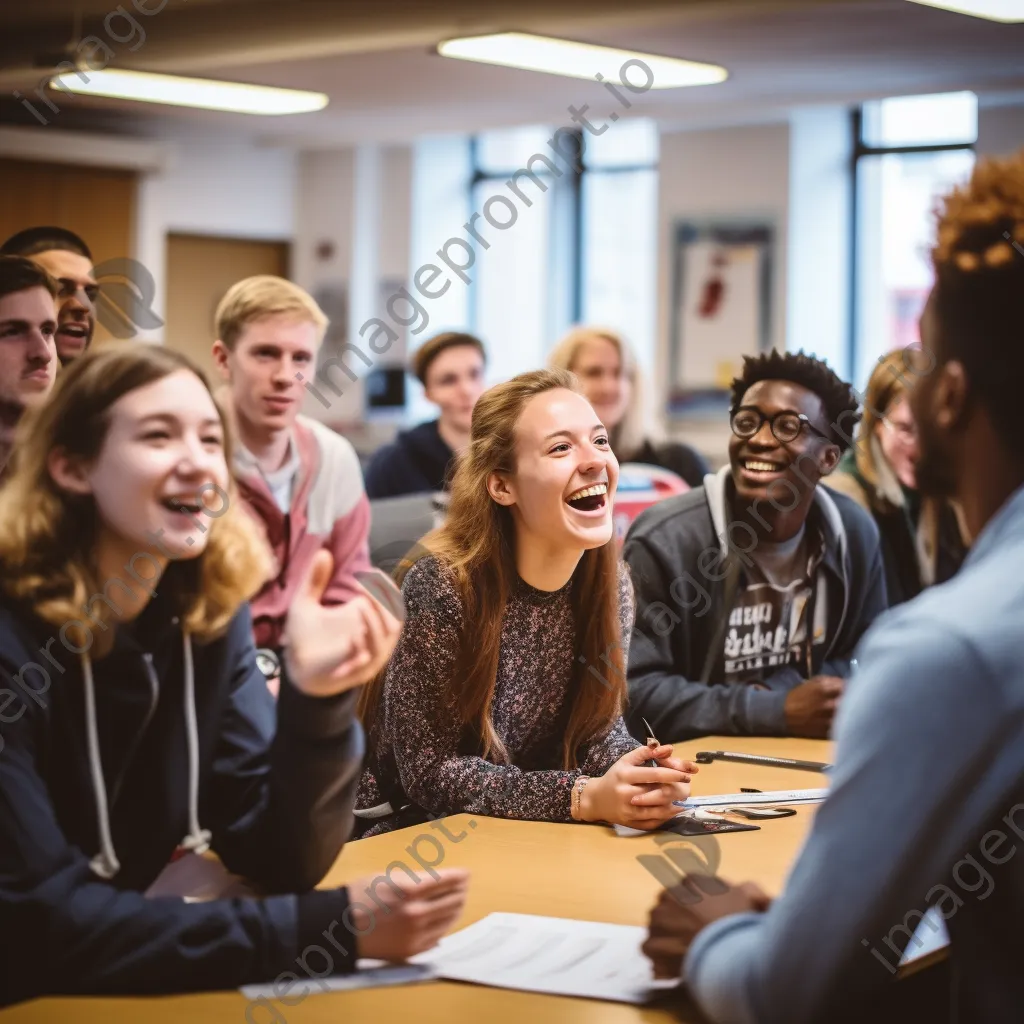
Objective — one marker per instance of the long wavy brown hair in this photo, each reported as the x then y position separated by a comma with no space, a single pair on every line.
47,535
888,384
477,546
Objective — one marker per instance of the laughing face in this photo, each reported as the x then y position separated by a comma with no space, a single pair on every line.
161,471
75,301
763,468
564,482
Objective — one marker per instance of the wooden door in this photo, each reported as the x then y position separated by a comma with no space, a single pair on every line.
200,269
97,203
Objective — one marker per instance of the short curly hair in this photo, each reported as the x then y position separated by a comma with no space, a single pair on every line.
839,399
979,292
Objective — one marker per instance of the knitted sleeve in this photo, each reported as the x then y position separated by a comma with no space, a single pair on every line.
422,725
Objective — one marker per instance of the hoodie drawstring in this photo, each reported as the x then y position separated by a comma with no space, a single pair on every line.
198,839
105,864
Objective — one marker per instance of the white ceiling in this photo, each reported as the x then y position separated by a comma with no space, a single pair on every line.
385,83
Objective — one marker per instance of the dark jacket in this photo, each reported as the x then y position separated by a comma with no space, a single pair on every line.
921,539
415,463
683,571
678,458
279,808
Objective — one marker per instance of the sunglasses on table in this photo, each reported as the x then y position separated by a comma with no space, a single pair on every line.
786,426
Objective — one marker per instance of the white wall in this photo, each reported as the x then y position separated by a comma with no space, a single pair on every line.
819,244
211,185
352,231
730,173
440,171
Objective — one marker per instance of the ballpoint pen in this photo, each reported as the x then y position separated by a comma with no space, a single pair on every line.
651,739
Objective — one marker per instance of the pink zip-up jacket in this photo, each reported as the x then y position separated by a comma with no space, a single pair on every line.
329,509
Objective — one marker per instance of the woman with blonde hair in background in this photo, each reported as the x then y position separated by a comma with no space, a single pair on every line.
137,715
504,696
922,541
611,381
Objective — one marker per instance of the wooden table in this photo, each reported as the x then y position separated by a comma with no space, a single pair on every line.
580,871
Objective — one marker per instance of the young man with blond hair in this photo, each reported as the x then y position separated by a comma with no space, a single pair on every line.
299,478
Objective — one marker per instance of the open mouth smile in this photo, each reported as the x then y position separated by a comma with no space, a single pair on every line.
763,470
182,505
589,499
74,330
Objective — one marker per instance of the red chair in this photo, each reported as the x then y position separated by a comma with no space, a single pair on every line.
640,487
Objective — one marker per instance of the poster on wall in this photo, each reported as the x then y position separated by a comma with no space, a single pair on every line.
721,310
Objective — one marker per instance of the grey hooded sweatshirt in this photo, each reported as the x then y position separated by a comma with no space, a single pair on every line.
688,563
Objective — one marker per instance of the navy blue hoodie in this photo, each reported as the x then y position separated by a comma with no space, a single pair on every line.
278,807
417,462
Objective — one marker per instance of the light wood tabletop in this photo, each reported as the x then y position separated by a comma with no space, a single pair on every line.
572,870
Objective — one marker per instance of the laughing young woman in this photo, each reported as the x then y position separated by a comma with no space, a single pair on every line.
504,695
132,717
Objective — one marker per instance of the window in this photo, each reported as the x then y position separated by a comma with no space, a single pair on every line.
512,298
619,272
908,151
582,249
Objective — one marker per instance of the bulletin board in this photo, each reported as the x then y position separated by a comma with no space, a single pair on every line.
721,309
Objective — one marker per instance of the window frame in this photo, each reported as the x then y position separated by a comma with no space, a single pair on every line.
572,182
859,150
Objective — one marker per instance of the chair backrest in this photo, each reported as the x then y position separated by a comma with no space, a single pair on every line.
396,524
641,486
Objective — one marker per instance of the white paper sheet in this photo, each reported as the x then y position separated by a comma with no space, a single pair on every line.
930,935
521,951
555,955
779,796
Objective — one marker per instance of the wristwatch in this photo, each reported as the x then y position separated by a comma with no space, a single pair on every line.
269,662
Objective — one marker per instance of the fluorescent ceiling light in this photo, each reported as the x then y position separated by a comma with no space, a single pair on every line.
994,10
190,92
582,60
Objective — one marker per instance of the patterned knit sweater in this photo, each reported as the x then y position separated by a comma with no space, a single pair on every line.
417,759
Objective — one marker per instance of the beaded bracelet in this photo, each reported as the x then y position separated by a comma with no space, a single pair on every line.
577,796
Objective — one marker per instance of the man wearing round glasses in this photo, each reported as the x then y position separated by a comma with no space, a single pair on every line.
66,258
753,590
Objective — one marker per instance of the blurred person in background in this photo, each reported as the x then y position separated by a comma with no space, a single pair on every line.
922,542
28,357
67,259
611,382
450,366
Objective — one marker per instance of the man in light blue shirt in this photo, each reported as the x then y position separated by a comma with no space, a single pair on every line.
926,807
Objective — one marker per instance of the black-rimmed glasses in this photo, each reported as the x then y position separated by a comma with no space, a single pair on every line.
786,426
